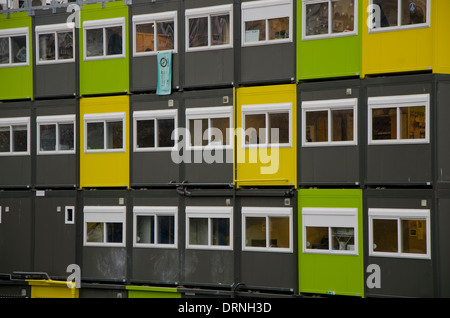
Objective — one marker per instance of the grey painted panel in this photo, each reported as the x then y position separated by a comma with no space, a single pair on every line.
209,267
443,131
442,246
145,73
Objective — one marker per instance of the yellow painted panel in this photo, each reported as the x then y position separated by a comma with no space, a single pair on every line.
397,51
107,169
441,11
266,166
52,289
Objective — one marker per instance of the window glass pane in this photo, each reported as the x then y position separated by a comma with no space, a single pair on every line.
388,12
342,15
145,133
317,18
66,136
20,138
198,231
19,49
412,122
384,123
220,231
385,235
166,35
94,232
317,126
220,29
4,50
414,236
145,226
5,139
279,28
145,37
94,42
165,129
255,129
48,137
255,231
414,12
114,232
219,128
255,31
65,45
280,122
114,40
317,238
166,229
342,125
279,232
198,130
114,137
47,47
95,136
343,238
198,32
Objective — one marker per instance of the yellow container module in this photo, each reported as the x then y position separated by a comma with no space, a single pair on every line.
104,146
53,289
405,36
266,136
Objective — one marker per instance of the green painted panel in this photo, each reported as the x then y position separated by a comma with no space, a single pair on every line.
152,292
109,75
16,82
331,273
329,57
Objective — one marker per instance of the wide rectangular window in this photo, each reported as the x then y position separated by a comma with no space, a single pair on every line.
209,227
14,49
399,119
386,15
154,32
329,122
14,136
154,130
400,233
266,22
209,28
55,134
267,125
209,126
104,38
55,43
267,229
104,132
155,226
104,225
329,18
330,230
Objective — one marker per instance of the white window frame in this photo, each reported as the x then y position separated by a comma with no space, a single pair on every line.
398,215
103,24
194,113
66,214
265,10
330,33
104,214
55,120
267,109
398,102
8,33
268,212
155,115
330,105
209,212
330,217
155,211
14,121
155,18
104,118
398,27
207,12
54,29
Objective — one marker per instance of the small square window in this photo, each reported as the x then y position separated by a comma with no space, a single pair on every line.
56,134
104,132
155,226
104,225
14,49
14,136
154,130
398,14
104,38
55,43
